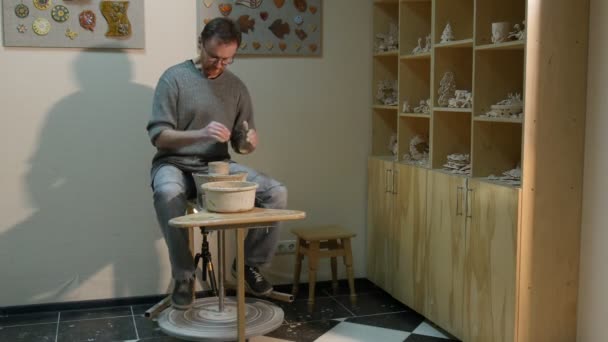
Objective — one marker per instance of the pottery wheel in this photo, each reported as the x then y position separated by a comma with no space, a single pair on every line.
204,321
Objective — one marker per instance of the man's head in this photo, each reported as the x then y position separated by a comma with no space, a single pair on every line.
219,41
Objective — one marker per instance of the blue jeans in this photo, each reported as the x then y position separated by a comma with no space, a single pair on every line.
172,188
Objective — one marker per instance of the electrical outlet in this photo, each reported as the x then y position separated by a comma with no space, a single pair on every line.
286,247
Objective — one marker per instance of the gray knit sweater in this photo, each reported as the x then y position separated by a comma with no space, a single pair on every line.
186,100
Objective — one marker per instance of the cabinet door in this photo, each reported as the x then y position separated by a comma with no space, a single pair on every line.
380,211
490,269
445,250
409,283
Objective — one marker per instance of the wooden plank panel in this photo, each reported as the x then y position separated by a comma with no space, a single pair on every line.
554,128
445,250
490,266
410,258
379,240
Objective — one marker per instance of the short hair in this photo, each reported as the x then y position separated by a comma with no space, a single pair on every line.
223,29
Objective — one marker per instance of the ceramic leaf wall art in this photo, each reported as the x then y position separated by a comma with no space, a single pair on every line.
270,27
93,24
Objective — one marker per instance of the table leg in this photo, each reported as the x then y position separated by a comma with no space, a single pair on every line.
220,269
240,282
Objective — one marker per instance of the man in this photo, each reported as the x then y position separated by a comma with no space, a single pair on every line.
198,107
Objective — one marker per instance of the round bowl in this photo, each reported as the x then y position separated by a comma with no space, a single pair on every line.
230,196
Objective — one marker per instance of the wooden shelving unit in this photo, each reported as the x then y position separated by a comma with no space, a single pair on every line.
490,71
447,227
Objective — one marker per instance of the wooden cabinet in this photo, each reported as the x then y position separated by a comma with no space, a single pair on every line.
490,262
446,250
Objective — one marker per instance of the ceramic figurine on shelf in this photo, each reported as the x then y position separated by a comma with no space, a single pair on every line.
511,108
418,151
387,41
448,34
519,32
406,107
393,144
418,49
462,99
447,89
424,107
428,44
387,93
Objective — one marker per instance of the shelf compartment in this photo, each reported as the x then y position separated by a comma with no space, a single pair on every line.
513,45
451,134
492,11
409,127
460,62
415,21
384,125
460,15
496,147
497,73
383,69
414,81
385,13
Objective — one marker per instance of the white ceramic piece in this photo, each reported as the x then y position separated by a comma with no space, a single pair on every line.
511,108
229,197
447,89
458,164
500,32
202,178
219,168
387,93
448,34
389,41
519,32
462,99
406,107
418,151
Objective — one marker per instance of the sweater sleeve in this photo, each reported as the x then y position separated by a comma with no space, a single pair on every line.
164,109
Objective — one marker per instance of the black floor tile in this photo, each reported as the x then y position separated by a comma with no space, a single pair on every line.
423,338
77,315
104,329
29,333
324,308
303,332
302,290
33,318
139,310
404,321
371,303
362,286
147,328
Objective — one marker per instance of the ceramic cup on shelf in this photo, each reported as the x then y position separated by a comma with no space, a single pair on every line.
500,32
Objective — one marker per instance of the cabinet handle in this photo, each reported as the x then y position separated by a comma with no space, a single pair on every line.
387,189
458,197
469,203
396,182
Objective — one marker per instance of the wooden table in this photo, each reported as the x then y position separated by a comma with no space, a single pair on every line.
241,222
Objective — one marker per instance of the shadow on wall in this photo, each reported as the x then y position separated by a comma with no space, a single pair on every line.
89,185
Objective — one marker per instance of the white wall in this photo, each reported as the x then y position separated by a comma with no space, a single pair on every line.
593,299
76,216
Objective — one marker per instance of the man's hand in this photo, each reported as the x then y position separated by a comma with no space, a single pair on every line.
252,138
216,131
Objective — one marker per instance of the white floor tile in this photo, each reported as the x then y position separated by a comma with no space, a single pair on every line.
426,329
351,332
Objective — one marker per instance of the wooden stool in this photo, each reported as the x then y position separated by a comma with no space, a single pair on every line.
323,242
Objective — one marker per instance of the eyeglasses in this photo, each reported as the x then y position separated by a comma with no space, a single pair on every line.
214,59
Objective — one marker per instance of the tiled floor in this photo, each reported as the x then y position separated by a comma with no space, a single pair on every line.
375,317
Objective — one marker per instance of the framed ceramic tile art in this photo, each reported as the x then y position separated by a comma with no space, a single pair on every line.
270,27
74,23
